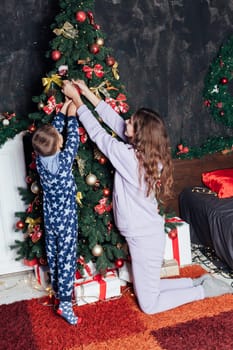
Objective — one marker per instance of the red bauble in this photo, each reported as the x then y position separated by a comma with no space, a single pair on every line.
224,80
221,113
81,16
56,55
119,263
32,128
28,179
94,48
110,61
102,160
106,192
172,234
20,225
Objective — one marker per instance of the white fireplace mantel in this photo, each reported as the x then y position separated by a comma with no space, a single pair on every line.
12,176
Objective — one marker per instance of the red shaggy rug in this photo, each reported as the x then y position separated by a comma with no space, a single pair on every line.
119,325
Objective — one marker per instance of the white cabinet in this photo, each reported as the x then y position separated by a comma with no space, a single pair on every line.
12,176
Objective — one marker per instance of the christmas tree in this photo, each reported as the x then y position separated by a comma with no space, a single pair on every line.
77,51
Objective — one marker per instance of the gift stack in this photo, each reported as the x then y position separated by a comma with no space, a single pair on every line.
93,287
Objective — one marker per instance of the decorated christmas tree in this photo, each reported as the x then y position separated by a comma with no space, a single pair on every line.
77,51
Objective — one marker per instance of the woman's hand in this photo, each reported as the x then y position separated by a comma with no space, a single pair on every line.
85,91
82,87
69,89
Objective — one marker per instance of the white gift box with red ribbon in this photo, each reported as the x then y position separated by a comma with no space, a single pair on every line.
87,291
178,246
42,275
89,269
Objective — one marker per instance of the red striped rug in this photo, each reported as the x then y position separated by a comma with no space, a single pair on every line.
119,325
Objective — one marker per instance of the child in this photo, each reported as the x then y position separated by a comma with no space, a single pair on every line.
59,204
143,173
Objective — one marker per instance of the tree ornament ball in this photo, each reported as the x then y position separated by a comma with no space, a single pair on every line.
172,234
31,128
106,191
5,122
20,225
35,188
100,41
223,80
119,263
56,55
97,250
221,113
81,16
110,61
102,160
40,105
94,48
91,179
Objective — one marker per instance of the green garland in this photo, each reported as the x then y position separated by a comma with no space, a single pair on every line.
217,97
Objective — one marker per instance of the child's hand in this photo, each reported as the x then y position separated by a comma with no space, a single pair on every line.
65,105
69,89
81,86
72,110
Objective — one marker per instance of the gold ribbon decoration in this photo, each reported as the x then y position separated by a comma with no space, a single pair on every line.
115,71
68,31
79,197
55,78
101,88
32,222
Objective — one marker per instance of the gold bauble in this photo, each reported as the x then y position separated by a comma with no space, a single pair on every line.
40,105
35,188
97,250
100,41
91,179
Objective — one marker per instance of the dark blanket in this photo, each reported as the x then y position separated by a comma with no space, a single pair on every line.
211,221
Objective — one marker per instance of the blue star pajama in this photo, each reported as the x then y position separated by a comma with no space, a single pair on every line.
60,209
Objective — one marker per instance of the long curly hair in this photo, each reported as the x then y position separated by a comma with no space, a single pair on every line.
153,151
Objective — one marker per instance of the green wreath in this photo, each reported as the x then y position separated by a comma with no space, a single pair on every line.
216,86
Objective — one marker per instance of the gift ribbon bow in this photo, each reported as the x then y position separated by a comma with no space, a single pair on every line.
32,222
85,266
68,31
55,78
118,104
52,105
115,71
79,198
102,207
97,70
102,89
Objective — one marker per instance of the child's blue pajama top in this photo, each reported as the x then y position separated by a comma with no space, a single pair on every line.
60,208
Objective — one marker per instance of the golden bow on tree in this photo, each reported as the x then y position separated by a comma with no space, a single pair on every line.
68,31
102,89
55,78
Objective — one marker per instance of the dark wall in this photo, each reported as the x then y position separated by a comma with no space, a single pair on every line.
164,49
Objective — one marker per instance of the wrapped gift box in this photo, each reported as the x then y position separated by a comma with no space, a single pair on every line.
98,288
125,272
179,247
88,270
42,275
170,268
